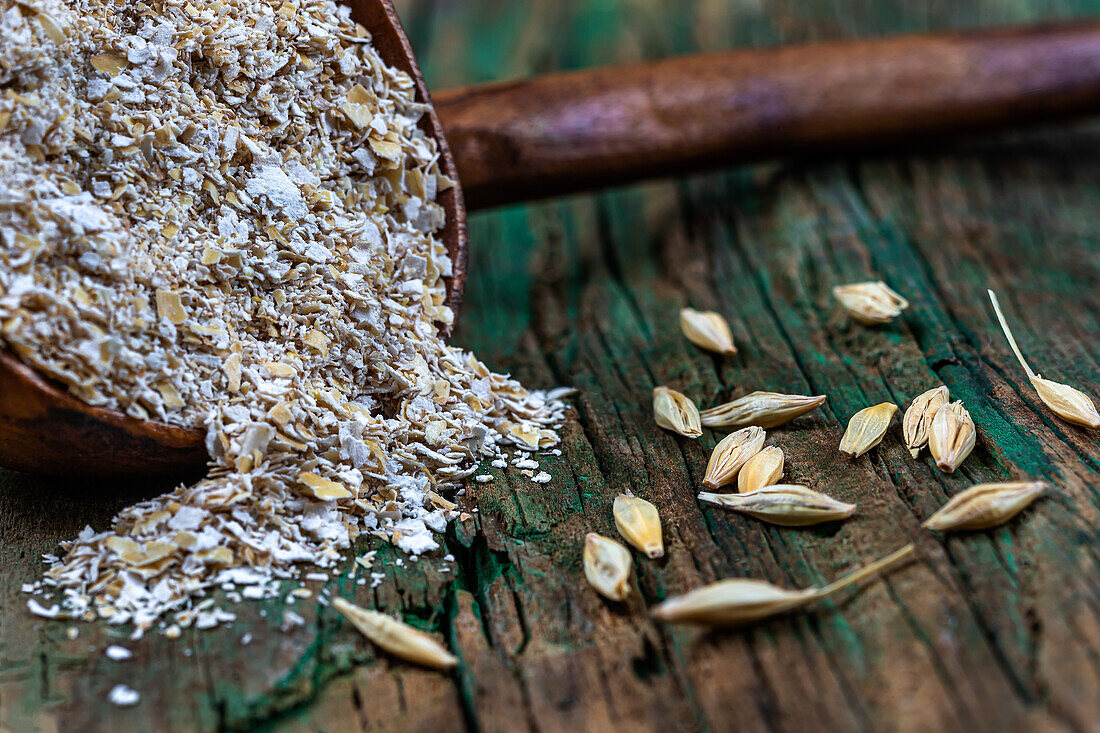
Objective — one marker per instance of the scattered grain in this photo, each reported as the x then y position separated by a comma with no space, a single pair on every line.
763,409
123,696
763,469
396,637
918,418
117,653
607,566
1072,405
866,429
730,455
985,505
639,524
673,411
707,330
743,600
784,504
951,436
870,303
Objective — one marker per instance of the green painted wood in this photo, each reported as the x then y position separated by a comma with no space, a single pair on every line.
990,631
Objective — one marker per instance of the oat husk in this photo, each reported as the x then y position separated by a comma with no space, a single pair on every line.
763,469
707,330
396,637
674,411
866,429
741,601
639,524
870,303
607,566
1068,403
951,436
985,505
918,418
787,505
730,455
763,409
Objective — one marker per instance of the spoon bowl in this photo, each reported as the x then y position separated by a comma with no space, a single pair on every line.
46,430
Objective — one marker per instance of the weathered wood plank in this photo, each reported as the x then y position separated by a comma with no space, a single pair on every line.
984,632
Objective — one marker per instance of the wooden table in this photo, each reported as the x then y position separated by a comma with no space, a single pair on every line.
989,631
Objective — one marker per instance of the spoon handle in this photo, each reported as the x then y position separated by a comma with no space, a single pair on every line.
567,132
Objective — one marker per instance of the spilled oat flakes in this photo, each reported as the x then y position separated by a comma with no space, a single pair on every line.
224,214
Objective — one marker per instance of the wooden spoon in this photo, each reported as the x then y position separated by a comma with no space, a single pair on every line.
46,430
568,132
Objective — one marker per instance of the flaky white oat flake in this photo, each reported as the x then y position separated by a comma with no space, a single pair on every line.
224,215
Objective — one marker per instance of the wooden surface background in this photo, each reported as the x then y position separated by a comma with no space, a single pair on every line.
993,631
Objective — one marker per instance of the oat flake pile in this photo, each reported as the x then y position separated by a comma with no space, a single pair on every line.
223,214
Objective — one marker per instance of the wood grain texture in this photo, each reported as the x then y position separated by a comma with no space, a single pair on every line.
986,632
